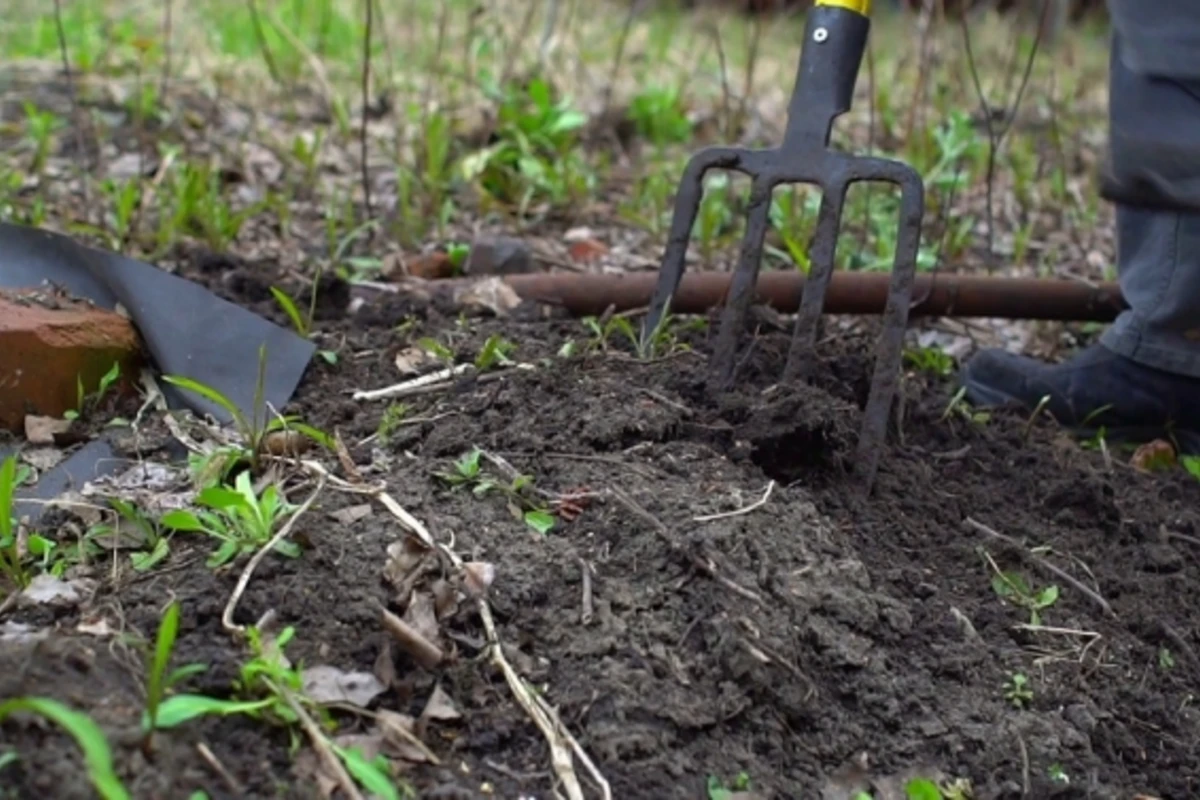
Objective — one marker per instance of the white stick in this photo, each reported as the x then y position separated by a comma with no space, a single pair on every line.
407,387
759,503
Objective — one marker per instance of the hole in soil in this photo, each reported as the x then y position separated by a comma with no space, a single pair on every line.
793,454
801,431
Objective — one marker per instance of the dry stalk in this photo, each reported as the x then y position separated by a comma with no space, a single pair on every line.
366,99
414,385
622,42
314,63
580,753
263,47
759,503
319,743
924,53
248,572
215,764
705,567
423,651
995,136
557,738
82,122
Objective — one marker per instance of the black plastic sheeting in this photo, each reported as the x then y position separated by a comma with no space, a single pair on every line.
186,329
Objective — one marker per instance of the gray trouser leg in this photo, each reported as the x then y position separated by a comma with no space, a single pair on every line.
1154,122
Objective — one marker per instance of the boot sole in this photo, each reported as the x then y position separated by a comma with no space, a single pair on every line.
1187,442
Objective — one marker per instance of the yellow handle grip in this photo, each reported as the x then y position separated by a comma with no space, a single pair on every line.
858,6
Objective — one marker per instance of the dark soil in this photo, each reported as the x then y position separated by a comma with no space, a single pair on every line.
822,625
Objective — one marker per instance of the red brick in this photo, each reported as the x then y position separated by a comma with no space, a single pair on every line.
47,342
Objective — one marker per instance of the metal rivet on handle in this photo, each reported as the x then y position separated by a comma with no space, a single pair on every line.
820,35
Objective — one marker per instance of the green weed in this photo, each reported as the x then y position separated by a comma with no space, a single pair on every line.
254,429
660,115
468,472
1018,691
933,360
276,686
40,127
11,562
718,790
390,421
241,520
163,712
155,543
534,159
1013,588
97,754
85,402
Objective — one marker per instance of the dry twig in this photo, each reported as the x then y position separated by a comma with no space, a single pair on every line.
706,567
280,535
759,503
585,616
213,762
319,743
416,384
560,741
423,651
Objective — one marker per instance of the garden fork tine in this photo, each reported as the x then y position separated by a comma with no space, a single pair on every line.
834,42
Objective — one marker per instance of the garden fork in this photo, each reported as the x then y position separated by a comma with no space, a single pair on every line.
835,38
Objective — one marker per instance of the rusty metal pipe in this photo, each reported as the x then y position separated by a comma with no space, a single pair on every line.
943,295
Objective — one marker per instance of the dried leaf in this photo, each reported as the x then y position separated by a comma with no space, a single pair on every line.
404,558
587,250
344,457
440,706
385,666
578,234
445,598
20,633
42,430
1154,456
400,737
351,514
478,577
415,360
308,767
149,486
369,744
46,589
327,684
96,627
492,294
43,459
421,616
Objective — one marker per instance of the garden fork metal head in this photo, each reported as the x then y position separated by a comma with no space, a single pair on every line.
835,38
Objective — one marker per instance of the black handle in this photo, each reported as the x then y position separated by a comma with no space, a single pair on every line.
835,40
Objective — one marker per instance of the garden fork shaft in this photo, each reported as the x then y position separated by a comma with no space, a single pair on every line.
834,41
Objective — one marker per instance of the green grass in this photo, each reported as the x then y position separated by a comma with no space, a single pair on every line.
681,80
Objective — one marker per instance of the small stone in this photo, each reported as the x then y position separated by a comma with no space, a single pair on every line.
1162,558
49,343
431,266
587,250
924,590
932,727
1081,717
500,255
